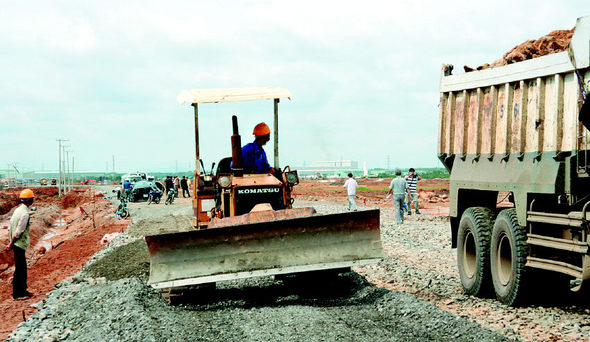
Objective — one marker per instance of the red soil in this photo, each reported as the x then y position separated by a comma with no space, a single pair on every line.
9,198
556,41
432,193
62,255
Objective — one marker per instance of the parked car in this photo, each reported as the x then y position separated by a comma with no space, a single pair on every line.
53,181
141,191
43,181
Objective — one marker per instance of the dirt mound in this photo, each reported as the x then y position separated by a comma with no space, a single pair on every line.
9,198
78,197
45,194
556,41
7,202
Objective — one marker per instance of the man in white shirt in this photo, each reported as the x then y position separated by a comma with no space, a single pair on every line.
351,186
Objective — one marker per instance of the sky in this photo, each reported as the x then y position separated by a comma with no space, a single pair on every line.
364,76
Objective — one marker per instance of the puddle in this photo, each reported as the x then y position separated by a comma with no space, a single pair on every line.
49,236
55,230
58,223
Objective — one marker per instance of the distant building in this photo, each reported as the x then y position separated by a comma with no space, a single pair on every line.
330,168
339,164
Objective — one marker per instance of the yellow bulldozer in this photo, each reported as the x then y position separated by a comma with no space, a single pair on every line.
250,227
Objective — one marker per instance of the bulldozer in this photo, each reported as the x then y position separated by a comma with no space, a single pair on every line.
245,225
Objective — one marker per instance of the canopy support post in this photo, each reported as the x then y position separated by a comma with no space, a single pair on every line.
276,133
196,105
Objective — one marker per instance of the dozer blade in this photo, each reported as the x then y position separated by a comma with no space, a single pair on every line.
289,245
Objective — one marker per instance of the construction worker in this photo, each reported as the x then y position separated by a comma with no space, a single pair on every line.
19,242
127,189
351,186
253,155
176,186
399,188
412,180
184,185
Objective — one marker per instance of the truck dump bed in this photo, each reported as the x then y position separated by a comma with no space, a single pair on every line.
503,128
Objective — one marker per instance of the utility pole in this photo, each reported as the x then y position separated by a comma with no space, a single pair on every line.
67,170
71,174
72,168
388,162
177,167
59,164
63,170
113,163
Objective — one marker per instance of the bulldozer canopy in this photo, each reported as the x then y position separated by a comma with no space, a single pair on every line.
231,94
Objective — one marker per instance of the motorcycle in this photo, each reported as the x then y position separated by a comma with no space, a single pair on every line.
155,195
122,210
170,197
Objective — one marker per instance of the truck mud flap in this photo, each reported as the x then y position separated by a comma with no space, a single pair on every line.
300,244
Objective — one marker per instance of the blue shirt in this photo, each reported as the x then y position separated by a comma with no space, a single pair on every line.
254,158
126,185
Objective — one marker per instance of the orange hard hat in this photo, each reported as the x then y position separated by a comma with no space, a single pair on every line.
26,193
261,129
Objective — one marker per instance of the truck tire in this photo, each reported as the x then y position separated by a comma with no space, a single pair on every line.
509,252
473,250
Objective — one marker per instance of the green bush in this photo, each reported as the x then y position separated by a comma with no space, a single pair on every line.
426,173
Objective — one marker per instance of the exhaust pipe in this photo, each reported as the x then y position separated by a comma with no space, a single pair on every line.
236,149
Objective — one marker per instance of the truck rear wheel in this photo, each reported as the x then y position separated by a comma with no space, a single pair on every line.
473,250
509,251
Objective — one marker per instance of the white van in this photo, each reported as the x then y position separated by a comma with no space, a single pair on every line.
138,176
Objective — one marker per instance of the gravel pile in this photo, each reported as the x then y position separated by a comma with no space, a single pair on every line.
127,254
420,262
248,310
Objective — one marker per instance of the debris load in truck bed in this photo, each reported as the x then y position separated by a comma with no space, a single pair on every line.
556,41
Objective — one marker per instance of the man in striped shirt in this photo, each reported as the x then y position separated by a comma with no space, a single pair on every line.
412,180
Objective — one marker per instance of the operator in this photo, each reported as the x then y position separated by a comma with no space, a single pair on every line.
19,242
253,155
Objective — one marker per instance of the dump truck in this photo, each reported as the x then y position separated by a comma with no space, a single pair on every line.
515,141
245,224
